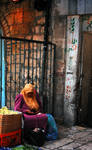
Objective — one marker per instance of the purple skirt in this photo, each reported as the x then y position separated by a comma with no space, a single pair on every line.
35,121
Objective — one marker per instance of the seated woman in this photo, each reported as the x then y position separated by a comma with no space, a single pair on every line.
28,102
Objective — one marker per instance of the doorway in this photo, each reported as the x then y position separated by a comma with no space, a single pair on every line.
86,95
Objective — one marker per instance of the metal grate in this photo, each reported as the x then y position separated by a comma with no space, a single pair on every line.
27,61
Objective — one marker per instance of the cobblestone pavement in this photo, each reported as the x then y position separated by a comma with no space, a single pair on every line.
73,138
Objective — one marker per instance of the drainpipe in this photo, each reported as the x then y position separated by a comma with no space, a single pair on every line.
46,35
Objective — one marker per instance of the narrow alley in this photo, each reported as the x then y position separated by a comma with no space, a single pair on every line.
73,138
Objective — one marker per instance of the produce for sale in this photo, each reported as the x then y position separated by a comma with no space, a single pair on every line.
5,111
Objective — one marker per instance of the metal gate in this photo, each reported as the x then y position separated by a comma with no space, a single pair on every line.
26,61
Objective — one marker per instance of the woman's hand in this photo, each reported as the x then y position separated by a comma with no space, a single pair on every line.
31,112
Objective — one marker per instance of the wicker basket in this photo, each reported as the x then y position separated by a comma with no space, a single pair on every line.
11,122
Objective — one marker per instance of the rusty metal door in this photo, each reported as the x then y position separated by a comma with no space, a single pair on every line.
27,61
86,77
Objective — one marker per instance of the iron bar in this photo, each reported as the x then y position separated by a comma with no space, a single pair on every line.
15,66
24,65
36,65
40,69
19,64
32,61
6,72
28,61
10,70
0,70
26,40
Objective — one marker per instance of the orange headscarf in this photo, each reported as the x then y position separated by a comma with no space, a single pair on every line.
30,101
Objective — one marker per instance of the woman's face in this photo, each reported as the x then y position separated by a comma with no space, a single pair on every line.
30,94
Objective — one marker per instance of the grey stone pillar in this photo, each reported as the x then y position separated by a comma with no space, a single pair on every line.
71,69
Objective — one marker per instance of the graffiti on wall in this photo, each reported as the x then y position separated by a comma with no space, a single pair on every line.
71,56
68,87
74,45
72,25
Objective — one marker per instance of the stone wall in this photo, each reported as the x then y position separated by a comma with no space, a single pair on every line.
22,20
58,36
